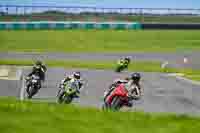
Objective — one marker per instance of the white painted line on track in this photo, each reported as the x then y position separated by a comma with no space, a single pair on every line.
22,89
180,77
188,80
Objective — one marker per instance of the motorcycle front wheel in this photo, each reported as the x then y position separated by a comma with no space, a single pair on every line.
118,69
60,96
68,99
31,92
116,104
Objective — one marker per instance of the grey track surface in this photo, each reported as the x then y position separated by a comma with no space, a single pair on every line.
9,87
162,93
175,59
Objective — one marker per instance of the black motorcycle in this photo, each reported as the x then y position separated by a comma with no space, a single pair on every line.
33,84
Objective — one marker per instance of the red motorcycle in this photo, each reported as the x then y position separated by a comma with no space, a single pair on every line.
119,97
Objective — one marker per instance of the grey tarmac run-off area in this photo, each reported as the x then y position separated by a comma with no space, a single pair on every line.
162,93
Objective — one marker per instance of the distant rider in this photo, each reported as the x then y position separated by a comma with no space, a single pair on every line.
125,61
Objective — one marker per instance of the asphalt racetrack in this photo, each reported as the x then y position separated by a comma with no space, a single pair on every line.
162,93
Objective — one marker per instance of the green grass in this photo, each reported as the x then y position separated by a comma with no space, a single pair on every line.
136,66
195,77
142,66
102,41
23,117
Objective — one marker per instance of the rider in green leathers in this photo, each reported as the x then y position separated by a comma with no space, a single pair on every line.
76,76
123,64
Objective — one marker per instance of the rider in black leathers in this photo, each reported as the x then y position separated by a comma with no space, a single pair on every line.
38,69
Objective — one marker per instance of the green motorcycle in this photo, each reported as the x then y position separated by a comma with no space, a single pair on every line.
68,92
121,65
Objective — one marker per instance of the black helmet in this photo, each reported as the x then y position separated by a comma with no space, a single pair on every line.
77,75
128,59
38,62
135,77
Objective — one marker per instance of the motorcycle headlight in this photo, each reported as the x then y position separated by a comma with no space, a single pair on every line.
70,90
34,81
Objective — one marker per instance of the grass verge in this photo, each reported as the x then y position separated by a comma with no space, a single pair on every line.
195,77
137,66
142,66
103,41
23,117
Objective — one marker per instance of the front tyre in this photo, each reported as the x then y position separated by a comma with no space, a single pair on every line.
116,104
68,99
105,107
31,92
118,69
60,95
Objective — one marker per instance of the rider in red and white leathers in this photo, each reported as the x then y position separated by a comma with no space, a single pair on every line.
128,83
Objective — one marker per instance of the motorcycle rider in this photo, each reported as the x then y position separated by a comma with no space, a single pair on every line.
126,61
75,76
134,79
39,69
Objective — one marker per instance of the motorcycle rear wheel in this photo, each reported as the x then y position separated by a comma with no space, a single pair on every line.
118,69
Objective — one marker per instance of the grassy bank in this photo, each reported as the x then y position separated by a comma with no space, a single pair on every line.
137,66
23,117
141,66
99,41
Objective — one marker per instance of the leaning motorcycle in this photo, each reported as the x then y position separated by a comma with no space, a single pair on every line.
68,92
120,97
120,66
33,84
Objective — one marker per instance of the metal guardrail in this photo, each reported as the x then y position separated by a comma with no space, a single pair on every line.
67,25
92,25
